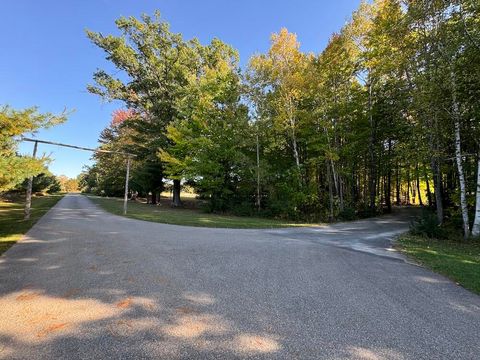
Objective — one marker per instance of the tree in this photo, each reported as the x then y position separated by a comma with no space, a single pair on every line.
211,134
388,106
14,168
281,73
44,182
67,184
155,63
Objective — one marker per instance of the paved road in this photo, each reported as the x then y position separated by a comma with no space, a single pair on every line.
85,284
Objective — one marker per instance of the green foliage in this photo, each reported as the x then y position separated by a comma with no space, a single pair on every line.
211,136
348,214
156,64
55,187
44,182
427,225
14,123
366,123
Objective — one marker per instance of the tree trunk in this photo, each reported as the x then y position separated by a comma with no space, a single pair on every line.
330,191
437,186
340,192
435,164
476,222
408,187
379,182
258,174
176,201
373,174
28,199
458,157
461,178
414,192
397,185
353,185
388,187
388,191
429,193
418,186
295,145
337,182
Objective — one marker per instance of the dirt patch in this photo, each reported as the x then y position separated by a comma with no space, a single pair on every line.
27,296
125,303
52,328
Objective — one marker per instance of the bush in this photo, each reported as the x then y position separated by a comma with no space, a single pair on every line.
427,226
365,211
55,187
244,209
347,214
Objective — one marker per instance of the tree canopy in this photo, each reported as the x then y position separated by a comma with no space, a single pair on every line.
14,168
385,114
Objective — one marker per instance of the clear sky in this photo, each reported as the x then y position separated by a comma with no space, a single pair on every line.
46,59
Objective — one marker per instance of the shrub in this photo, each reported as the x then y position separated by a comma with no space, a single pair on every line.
427,225
365,211
244,209
347,214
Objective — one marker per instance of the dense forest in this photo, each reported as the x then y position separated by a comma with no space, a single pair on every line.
387,114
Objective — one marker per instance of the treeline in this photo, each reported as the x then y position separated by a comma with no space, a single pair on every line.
386,113
46,182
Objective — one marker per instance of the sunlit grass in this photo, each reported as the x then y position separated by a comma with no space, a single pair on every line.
12,225
458,260
168,215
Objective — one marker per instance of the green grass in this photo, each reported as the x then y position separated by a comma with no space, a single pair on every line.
12,225
189,217
459,261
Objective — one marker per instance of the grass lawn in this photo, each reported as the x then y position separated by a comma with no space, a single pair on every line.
459,261
190,217
12,225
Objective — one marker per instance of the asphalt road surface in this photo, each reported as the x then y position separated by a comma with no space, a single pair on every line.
85,284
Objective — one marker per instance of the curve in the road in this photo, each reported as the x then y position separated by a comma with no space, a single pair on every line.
85,284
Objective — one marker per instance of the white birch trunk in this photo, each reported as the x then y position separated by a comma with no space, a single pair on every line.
295,149
340,192
461,175
476,222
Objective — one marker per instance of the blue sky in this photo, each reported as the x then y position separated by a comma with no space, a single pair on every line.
47,60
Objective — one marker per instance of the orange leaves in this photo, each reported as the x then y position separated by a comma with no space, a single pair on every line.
120,115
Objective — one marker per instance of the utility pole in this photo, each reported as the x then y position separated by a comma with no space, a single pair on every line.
125,199
258,173
28,200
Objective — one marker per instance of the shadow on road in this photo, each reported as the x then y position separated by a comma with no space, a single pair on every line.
89,285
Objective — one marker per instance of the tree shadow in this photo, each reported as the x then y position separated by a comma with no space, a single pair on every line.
36,324
89,287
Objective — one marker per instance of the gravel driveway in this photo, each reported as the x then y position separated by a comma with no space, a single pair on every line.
85,284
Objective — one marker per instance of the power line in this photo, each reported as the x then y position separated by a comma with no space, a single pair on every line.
77,147
28,201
